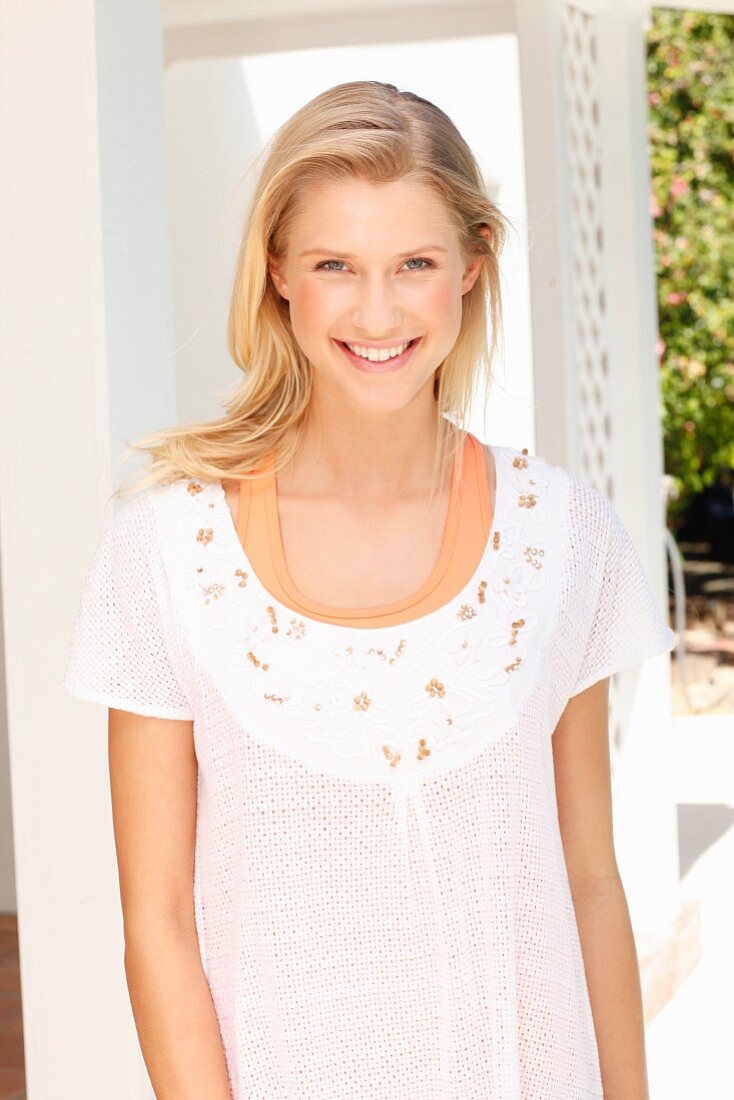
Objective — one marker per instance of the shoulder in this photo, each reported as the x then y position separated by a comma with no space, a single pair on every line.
584,501
147,520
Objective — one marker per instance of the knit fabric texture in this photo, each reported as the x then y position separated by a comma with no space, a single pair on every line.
381,898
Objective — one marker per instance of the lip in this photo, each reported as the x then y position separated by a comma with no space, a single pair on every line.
380,368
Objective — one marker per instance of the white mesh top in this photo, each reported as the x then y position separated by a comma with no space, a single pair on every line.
381,898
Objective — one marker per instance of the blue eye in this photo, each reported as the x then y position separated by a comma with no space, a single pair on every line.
324,265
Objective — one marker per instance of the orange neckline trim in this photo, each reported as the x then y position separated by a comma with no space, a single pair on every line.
474,465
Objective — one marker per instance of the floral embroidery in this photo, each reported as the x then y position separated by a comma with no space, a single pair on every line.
392,757
297,628
368,702
466,612
532,553
435,687
212,591
257,662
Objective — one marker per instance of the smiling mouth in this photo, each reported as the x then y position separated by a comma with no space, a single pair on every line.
378,355
379,360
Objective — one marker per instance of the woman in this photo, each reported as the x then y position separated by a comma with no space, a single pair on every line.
357,666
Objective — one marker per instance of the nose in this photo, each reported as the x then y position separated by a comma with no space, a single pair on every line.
376,312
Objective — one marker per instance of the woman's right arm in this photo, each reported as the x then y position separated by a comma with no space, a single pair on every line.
153,779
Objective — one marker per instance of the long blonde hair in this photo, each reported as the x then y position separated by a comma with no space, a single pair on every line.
373,131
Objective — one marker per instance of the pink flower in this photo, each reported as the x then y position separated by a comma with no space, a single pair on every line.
660,347
654,98
655,210
676,297
678,187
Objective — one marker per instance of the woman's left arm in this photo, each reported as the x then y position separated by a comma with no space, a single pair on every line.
583,787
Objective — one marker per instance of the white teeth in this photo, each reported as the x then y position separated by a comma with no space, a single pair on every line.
377,355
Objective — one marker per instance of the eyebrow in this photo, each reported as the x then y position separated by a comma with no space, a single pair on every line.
350,255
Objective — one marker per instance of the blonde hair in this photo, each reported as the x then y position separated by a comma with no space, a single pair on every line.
373,131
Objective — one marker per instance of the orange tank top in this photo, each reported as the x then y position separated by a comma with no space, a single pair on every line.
467,528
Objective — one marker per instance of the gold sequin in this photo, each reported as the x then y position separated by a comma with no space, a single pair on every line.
275,698
297,628
383,656
435,688
521,461
256,661
515,628
243,577
194,487
532,553
482,591
393,757
466,612
496,540
422,750
527,500
362,701
273,619
213,591
205,535
514,665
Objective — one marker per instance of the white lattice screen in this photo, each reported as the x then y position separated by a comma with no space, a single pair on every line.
591,356
580,47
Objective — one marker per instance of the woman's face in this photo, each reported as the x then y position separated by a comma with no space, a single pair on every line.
374,266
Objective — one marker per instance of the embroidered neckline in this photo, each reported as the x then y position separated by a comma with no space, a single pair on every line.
395,703
471,592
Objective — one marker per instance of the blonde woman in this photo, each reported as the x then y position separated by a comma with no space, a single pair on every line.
357,663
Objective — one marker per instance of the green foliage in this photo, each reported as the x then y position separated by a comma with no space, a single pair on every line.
690,84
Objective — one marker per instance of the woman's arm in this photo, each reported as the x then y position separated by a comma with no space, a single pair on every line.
583,787
153,778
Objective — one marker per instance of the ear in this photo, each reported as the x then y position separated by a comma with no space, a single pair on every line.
278,281
471,272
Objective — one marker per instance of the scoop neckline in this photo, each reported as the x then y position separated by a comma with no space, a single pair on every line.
481,572
394,607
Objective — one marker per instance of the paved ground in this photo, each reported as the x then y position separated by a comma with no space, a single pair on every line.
690,1044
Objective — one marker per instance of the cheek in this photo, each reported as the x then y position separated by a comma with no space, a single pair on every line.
311,307
441,302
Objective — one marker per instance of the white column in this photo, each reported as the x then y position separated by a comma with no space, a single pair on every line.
211,140
596,377
86,359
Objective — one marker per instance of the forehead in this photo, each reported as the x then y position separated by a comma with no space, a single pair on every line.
367,213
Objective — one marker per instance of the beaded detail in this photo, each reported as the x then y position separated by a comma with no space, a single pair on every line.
342,705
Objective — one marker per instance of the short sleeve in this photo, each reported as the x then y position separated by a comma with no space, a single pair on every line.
622,624
122,653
